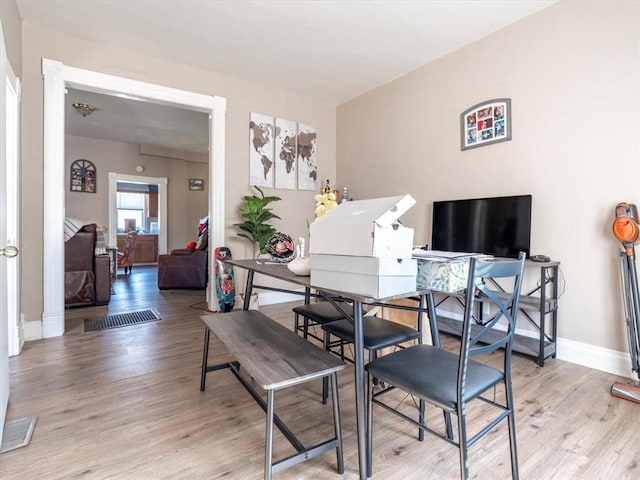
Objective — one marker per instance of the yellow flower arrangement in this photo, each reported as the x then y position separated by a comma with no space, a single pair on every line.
325,202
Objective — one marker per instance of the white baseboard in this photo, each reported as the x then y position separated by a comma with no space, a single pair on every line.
587,355
271,298
32,330
592,356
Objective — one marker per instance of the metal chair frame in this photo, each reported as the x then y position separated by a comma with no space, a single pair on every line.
469,379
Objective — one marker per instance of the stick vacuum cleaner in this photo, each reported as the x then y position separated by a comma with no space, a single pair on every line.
627,231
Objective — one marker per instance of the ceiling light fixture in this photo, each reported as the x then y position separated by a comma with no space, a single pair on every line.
84,109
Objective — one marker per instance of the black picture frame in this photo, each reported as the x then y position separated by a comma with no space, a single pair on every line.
486,123
83,176
196,184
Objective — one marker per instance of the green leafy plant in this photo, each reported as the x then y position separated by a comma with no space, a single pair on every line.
256,214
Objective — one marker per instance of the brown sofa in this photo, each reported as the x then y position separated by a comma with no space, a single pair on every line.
87,277
183,268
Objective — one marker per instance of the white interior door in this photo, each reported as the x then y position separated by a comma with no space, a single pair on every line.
10,341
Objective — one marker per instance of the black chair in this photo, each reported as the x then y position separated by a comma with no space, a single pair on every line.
450,380
377,334
317,314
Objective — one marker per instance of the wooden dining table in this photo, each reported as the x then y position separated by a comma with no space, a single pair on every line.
281,272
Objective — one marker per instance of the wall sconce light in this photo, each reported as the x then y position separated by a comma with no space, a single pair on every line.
84,109
139,168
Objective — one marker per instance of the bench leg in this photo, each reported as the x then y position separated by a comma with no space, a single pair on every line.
325,380
369,430
296,323
268,444
337,425
205,358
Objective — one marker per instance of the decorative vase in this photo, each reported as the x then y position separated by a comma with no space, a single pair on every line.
300,266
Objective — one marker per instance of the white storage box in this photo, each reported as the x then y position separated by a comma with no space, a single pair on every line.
364,228
369,276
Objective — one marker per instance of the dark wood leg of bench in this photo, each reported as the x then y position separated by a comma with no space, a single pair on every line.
205,358
337,424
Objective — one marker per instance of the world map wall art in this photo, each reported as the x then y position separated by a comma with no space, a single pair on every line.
485,123
282,153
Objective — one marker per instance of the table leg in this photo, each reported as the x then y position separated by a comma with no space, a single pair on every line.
247,290
205,358
361,410
433,319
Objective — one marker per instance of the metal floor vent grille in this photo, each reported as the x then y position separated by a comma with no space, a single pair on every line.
120,320
17,433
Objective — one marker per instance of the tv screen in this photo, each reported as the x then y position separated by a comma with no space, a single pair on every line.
499,226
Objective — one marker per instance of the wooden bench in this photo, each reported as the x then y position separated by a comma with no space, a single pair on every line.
276,358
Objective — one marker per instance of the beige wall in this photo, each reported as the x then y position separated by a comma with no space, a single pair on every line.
11,31
184,207
242,96
573,74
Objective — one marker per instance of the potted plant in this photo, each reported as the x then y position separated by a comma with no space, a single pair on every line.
256,213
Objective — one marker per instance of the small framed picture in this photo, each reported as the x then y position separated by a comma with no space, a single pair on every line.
83,176
486,123
196,184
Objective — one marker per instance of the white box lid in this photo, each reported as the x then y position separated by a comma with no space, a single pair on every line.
382,211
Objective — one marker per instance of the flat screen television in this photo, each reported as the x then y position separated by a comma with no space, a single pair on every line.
499,226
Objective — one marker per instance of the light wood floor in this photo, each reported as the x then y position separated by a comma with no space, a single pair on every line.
125,404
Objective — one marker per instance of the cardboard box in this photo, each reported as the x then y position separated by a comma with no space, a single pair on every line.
370,276
364,228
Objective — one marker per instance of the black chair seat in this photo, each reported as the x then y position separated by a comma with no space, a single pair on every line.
431,373
377,332
322,312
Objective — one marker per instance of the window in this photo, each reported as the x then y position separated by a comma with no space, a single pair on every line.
132,211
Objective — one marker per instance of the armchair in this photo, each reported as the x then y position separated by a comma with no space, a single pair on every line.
186,267
87,278
183,268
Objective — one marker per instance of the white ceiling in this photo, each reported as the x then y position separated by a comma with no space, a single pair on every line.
330,50
132,121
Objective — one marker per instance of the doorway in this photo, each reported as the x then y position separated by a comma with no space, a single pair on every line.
160,226
57,77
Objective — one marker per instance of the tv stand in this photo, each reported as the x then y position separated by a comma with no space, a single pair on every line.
538,306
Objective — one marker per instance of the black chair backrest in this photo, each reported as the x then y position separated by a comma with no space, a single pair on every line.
482,287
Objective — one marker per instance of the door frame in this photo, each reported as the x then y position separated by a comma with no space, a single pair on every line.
161,182
58,76
11,338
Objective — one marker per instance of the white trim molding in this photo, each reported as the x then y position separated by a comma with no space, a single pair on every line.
57,77
592,356
161,182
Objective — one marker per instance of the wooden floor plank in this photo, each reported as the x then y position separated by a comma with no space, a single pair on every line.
125,404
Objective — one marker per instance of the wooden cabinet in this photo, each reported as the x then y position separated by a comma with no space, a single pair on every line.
146,248
153,204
